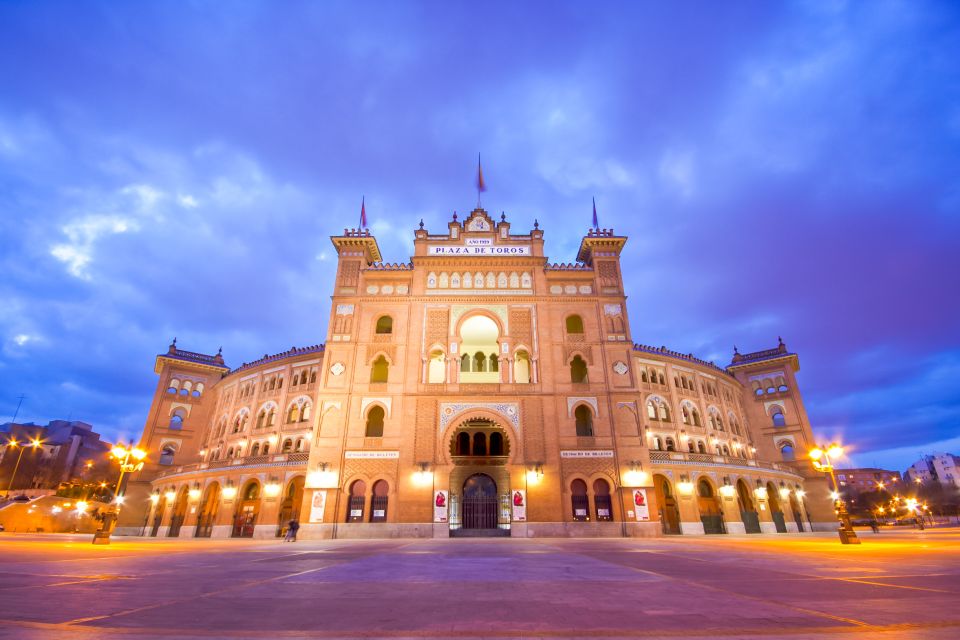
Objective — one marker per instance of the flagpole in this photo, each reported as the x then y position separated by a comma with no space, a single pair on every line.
479,180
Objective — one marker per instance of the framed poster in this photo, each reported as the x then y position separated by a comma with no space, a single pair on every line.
317,505
440,499
640,505
519,505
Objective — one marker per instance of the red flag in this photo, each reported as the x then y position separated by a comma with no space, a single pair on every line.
363,213
481,185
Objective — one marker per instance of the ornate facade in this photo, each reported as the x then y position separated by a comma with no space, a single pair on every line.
477,390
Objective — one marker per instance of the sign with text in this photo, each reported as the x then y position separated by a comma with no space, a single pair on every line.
371,455
587,453
317,505
440,506
478,250
640,505
519,505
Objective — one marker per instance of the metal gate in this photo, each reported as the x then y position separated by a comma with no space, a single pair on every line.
712,524
175,523
779,522
204,527
157,519
480,512
799,520
751,521
243,525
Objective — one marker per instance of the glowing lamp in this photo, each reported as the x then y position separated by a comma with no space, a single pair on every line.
170,495
138,453
800,493
229,493
194,494
835,451
154,498
835,495
727,491
761,492
56,509
118,452
816,454
635,478
81,506
271,489
685,487
118,500
784,493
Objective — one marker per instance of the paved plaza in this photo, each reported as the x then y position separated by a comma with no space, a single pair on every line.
896,584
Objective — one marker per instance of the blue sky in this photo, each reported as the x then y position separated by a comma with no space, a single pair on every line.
176,169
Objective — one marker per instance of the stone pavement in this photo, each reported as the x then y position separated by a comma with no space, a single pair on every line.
896,585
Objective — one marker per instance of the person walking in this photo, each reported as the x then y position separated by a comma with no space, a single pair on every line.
292,527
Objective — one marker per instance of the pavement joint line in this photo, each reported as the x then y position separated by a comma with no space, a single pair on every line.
814,612
156,605
713,632
893,586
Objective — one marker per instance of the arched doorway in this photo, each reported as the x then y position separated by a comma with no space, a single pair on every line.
797,514
378,503
208,511
748,512
248,508
669,512
480,502
773,499
710,514
358,499
290,507
601,500
179,514
158,515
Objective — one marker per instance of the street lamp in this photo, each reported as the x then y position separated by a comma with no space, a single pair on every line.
131,460
822,458
36,442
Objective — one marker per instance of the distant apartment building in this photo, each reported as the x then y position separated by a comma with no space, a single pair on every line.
939,467
868,479
68,450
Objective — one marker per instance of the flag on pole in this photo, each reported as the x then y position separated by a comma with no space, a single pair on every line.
596,225
363,213
481,185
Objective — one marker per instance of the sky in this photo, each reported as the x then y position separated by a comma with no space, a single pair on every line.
780,168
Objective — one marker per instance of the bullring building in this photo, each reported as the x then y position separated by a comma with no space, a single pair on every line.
477,389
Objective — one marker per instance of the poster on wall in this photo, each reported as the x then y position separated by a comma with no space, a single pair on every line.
640,504
519,505
440,506
317,505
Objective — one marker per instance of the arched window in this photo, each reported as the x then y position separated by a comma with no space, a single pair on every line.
787,452
584,420
299,445
657,443
601,500
176,420
574,324
378,503
266,449
465,363
704,490
664,412
380,370
691,446
174,386
479,337
293,415
287,446
521,367
358,498
255,450
494,363
375,422
685,415
696,418
496,444
479,362
384,324
271,417
701,447
651,410
726,451
167,453
436,368
671,446
777,417
313,375
463,443
252,492
579,500
305,412
643,375
578,370
479,444
261,418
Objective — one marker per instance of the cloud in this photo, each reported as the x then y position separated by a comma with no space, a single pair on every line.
83,235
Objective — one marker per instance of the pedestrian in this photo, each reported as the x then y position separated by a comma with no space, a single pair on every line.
292,527
874,526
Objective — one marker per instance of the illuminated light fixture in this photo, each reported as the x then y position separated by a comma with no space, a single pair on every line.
309,436
322,478
203,452
835,495
170,495
272,439
727,490
911,503
799,492
685,486
118,500
423,476
242,443
154,498
194,493
271,489
816,454
761,492
56,509
535,473
784,491
753,449
81,506
835,451
229,492
714,442
636,476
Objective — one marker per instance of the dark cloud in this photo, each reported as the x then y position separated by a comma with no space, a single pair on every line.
781,169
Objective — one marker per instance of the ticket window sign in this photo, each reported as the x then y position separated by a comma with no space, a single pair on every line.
440,501
519,505
640,506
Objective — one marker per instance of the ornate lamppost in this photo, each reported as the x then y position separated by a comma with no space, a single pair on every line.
36,442
822,461
131,460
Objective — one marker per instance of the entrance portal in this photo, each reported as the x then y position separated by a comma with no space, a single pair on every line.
480,502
